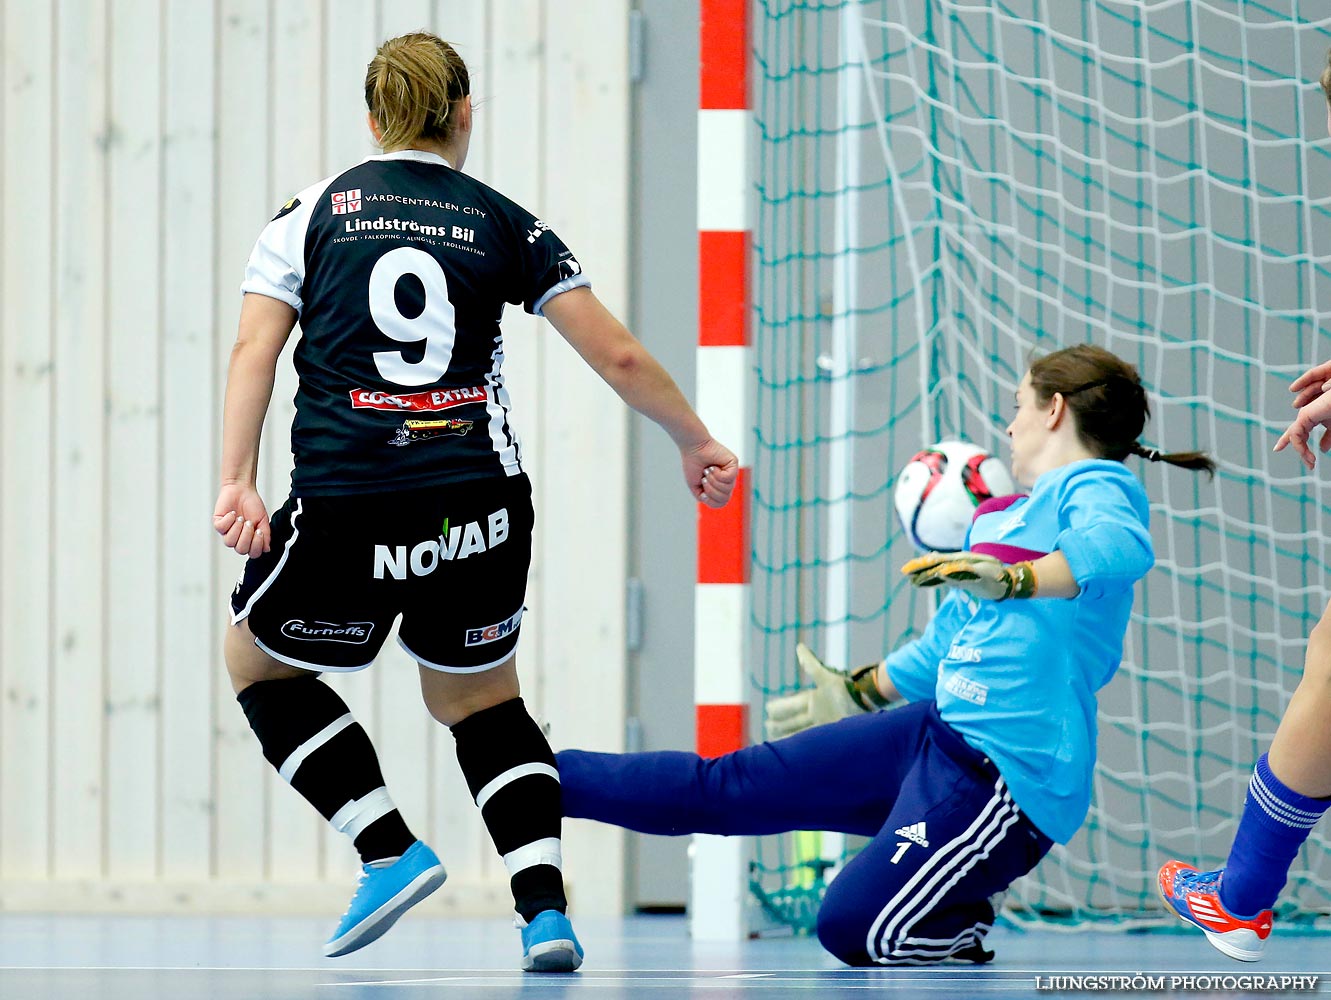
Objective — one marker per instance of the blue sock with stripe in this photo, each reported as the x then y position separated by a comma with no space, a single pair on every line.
1276,821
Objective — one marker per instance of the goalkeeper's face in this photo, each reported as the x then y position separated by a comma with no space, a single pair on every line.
1030,433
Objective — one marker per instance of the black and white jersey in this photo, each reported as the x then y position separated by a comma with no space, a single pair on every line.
400,268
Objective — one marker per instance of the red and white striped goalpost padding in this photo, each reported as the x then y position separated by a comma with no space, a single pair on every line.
718,881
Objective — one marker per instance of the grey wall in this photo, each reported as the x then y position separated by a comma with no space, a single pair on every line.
665,317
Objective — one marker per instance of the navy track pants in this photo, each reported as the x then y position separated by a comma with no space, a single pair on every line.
945,832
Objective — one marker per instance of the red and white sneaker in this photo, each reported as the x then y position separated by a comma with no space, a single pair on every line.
1195,897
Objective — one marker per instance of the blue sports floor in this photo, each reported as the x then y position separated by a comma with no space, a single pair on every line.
220,958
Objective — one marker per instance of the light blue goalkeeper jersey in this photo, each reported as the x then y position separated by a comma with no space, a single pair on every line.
1018,678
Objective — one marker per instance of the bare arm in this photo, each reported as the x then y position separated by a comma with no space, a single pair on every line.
1053,576
710,469
240,516
884,683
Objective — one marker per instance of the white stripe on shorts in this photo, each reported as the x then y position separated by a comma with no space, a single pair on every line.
512,774
237,617
538,852
318,668
456,670
297,758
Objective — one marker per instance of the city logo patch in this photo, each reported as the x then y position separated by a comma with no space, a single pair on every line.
423,430
356,633
915,832
492,633
430,401
346,201
569,269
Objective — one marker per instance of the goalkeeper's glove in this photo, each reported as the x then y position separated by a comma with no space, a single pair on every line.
835,694
979,575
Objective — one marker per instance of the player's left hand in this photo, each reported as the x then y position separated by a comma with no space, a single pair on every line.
710,470
1311,384
831,697
979,575
1312,415
242,520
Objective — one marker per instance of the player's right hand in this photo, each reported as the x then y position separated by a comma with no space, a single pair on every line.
827,701
242,520
710,472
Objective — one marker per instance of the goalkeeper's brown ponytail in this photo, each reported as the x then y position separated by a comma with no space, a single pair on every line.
1108,400
1196,460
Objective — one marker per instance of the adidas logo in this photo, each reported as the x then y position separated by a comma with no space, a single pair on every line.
915,832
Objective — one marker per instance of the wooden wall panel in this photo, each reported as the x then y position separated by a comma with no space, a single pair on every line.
397,17
128,773
79,652
26,417
245,204
133,415
584,108
191,620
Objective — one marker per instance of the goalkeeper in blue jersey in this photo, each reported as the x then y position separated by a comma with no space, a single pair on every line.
1290,788
965,788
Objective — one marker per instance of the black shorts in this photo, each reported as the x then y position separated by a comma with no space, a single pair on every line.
451,560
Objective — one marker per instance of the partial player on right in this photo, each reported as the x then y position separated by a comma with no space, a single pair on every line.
1291,784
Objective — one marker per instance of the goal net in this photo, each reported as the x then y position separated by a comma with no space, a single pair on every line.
944,186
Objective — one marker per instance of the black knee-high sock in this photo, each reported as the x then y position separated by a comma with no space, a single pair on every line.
308,734
511,773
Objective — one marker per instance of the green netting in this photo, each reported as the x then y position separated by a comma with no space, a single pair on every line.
944,186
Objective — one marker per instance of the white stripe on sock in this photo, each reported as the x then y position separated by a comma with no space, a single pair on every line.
292,763
538,852
356,815
512,774
1278,809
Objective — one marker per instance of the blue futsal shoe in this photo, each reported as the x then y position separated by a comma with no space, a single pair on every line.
383,895
549,944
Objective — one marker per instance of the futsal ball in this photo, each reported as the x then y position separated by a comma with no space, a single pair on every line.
938,490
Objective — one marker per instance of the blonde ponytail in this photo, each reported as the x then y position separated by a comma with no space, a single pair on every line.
413,87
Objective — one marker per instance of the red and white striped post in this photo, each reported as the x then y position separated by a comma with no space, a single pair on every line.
718,883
